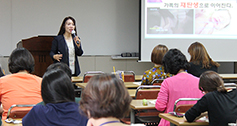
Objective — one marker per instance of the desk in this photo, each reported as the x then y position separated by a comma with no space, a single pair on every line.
229,78
138,77
10,124
136,105
180,121
79,79
127,84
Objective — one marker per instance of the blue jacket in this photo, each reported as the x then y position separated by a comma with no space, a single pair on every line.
59,46
59,114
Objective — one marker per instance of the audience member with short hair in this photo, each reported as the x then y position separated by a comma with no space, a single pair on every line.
180,85
200,61
58,94
219,102
20,87
105,100
157,72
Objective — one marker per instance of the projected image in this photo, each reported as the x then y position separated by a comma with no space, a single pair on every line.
154,1
169,21
210,21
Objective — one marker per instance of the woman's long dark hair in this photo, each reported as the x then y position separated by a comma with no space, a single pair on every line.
57,87
62,28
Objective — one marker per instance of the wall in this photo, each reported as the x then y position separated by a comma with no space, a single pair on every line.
106,27
106,63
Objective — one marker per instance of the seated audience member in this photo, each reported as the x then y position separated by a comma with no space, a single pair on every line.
180,85
60,110
20,87
62,66
105,100
157,72
200,61
65,68
218,102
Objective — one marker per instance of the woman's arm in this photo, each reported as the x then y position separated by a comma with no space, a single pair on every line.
78,50
202,115
196,111
54,53
54,48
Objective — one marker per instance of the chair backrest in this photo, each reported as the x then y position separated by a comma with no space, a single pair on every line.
89,74
147,93
184,107
18,113
129,76
157,81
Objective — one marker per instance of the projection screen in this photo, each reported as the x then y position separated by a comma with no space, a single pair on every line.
178,23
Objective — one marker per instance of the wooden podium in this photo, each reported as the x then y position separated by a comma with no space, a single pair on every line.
39,47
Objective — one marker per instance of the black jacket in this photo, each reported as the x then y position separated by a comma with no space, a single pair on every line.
59,46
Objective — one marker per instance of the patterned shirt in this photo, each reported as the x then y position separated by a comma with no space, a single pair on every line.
157,72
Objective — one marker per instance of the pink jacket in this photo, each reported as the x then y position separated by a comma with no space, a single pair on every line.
182,85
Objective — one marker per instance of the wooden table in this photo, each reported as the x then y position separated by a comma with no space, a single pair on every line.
139,77
180,121
231,76
127,85
137,105
10,124
79,79
228,76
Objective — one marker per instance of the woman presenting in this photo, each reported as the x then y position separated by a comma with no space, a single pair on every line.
67,46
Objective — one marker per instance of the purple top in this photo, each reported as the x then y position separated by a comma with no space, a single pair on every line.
59,114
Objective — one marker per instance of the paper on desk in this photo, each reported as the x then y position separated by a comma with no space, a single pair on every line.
152,102
137,83
204,118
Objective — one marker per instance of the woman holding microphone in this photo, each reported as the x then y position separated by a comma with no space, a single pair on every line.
66,46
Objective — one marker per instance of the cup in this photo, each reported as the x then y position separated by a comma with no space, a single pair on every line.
119,74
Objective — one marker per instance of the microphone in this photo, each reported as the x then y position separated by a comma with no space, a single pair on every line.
74,35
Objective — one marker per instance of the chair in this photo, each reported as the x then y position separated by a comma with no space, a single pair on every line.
148,117
18,113
184,107
89,74
157,81
129,76
147,94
